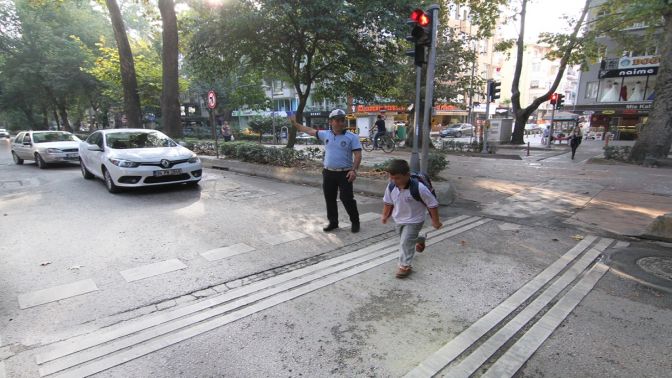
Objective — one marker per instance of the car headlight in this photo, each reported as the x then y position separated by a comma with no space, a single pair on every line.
194,159
54,151
124,163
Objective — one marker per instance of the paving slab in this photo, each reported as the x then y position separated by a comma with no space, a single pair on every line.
56,293
222,253
151,270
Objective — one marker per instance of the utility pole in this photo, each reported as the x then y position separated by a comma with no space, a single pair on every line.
429,89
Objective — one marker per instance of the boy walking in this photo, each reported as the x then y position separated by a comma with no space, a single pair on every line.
408,212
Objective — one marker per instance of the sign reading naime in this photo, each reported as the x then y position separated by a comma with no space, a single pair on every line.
646,71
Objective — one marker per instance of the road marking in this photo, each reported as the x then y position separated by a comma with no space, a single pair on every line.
622,244
444,356
144,340
284,237
109,333
509,363
479,356
3,373
86,341
151,270
222,253
56,293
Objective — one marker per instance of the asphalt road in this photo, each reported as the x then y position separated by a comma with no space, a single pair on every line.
235,278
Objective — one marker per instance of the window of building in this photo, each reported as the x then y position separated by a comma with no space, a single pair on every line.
591,89
534,84
536,67
627,89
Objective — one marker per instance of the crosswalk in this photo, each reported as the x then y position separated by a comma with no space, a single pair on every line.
117,344
568,280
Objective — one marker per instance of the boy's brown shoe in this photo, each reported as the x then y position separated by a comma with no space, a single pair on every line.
419,247
403,271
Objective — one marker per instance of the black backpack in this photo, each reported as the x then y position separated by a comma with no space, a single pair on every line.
414,186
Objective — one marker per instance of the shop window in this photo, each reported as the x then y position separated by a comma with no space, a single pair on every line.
591,89
629,89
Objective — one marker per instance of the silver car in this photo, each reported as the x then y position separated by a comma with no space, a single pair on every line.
45,147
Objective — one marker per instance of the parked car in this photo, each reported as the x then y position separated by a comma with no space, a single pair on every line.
457,130
4,134
45,147
532,128
136,158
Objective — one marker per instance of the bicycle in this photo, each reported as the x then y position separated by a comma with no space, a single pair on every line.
384,142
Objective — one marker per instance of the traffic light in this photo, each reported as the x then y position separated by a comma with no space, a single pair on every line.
554,98
560,101
421,35
493,90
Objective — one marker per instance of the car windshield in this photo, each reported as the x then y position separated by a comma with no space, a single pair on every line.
53,137
456,126
138,139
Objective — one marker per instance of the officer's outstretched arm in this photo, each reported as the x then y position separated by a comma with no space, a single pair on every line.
308,130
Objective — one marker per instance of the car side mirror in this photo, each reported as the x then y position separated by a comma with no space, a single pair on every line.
94,147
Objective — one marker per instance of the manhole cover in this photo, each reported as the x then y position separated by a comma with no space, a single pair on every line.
658,266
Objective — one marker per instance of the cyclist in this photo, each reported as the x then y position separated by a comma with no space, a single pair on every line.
381,130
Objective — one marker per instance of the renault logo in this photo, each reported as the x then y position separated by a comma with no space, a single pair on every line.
165,163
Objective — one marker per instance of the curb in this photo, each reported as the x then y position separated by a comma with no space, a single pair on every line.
362,185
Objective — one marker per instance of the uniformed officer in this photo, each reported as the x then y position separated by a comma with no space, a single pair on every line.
342,156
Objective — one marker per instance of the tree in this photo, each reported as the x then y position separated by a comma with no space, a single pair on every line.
655,138
309,43
170,104
126,66
261,125
565,48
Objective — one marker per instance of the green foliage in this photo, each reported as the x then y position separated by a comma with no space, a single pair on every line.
255,153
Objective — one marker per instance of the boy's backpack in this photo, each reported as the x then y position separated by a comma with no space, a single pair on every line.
417,178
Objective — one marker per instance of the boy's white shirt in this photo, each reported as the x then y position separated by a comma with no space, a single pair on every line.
407,210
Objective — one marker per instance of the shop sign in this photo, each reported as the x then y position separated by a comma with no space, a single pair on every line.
639,106
608,112
646,71
638,62
630,111
379,108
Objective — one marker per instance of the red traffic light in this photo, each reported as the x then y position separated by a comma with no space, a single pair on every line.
554,98
420,17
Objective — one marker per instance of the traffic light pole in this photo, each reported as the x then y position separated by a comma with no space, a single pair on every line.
429,89
486,124
415,156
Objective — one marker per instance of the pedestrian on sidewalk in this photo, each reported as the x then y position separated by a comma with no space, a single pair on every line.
544,136
408,211
575,140
342,157
226,132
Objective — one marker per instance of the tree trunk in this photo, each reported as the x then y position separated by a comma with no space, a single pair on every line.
655,139
28,112
303,100
170,104
58,121
45,119
522,114
127,66
63,112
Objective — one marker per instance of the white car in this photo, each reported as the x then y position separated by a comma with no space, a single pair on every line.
45,147
137,157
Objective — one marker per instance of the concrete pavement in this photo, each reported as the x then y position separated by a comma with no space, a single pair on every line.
236,278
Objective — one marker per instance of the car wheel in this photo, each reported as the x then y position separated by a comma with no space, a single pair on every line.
40,162
17,159
85,172
459,134
109,184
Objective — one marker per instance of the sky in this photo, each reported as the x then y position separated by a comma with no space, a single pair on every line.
546,16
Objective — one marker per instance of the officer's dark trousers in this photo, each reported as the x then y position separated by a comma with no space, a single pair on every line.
332,182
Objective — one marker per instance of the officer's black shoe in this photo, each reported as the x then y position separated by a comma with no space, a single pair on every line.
355,228
330,227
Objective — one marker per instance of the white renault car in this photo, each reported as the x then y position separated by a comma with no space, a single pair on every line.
137,157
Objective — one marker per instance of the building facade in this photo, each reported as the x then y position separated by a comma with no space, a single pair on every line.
617,93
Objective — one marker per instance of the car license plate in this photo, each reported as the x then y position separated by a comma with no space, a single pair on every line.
167,172
72,156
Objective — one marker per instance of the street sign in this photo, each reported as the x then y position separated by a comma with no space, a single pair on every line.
212,100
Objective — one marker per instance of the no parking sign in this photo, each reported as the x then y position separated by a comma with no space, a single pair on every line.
212,100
